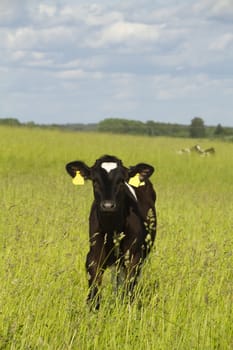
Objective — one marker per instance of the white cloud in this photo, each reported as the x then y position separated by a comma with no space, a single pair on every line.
33,38
126,32
27,58
217,8
21,38
222,43
168,87
18,55
93,63
77,74
71,74
12,10
223,7
47,10
91,15
163,15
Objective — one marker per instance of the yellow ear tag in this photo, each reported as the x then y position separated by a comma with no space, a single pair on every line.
78,179
135,181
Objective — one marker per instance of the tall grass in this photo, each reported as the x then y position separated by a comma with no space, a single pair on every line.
185,294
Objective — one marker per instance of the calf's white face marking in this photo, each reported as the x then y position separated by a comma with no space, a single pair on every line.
108,166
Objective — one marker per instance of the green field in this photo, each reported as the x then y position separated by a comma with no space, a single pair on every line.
185,295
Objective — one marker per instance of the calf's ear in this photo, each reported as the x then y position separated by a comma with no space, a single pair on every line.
139,173
79,171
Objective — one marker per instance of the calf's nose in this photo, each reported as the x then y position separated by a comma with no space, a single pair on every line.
108,205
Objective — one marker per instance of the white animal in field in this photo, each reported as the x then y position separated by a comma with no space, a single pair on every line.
209,151
196,149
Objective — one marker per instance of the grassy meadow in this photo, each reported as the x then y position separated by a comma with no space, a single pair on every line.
185,294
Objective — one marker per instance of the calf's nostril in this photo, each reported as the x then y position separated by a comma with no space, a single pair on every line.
108,205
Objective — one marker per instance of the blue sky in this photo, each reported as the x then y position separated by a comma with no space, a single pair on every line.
84,61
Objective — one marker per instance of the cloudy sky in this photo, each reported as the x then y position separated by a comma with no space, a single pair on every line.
71,61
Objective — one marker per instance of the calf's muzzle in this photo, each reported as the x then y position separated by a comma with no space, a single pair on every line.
107,205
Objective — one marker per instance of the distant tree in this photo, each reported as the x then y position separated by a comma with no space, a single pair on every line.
9,121
197,127
122,126
219,130
151,128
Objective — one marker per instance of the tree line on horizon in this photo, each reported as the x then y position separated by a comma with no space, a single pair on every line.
196,129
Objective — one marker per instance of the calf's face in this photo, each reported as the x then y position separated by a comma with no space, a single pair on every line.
108,176
108,182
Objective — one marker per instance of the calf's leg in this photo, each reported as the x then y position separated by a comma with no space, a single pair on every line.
133,268
95,270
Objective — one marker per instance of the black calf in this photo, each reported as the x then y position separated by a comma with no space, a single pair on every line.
122,222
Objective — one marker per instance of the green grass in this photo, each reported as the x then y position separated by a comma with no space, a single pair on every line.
185,294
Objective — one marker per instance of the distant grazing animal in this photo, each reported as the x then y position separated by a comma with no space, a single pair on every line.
197,149
122,221
209,151
203,152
